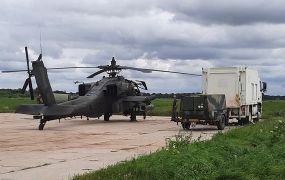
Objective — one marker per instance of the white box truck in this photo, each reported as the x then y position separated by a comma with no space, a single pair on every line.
242,88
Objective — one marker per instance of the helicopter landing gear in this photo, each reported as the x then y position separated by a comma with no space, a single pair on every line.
144,115
107,116
42,124
133,116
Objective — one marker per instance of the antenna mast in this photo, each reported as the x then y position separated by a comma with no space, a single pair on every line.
41,41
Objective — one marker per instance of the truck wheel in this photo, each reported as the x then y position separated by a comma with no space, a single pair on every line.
243,121
226,120
186,125
246,120
257,118
240,122
221,122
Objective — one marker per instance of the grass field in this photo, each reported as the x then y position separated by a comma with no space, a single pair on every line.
252,152
9,104
274,108
162,107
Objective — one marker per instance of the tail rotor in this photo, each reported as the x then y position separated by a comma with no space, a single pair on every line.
28,81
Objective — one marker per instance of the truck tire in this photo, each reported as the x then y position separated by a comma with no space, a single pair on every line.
257,117
221,122
243,121
227,119
240,121
246,120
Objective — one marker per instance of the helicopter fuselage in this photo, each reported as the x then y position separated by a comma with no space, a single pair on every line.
105,97
109,95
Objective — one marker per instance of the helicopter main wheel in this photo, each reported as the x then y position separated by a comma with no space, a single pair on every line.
107,116
42,124
133,116
144,115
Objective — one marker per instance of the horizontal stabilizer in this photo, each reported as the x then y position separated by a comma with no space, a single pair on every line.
54,110
32,109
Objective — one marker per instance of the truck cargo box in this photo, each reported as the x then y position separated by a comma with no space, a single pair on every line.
240,85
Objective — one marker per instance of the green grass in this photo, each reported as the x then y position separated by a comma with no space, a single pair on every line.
251,152
162,107
9,101
9,104
274,108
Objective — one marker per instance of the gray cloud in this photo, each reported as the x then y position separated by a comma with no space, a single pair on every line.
230,12
159,34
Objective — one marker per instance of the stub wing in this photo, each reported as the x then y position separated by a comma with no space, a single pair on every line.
138,98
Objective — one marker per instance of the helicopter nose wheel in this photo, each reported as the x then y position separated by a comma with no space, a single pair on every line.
42,124
133,116
107,116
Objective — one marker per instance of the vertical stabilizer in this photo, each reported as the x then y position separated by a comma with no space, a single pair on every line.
41,76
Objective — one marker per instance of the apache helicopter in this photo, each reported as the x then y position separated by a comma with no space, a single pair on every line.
112,94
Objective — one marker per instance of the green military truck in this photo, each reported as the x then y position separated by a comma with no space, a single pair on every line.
201,109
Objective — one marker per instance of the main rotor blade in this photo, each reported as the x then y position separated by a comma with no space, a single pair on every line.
150,70
137,69
72,67
96,73
12,71
53,68
104,68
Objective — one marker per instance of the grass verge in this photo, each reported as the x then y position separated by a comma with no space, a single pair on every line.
252,152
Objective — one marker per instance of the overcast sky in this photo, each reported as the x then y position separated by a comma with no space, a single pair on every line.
183,35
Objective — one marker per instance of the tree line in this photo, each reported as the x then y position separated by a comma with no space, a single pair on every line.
17,93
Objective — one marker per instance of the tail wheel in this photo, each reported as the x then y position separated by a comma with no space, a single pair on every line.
42,124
